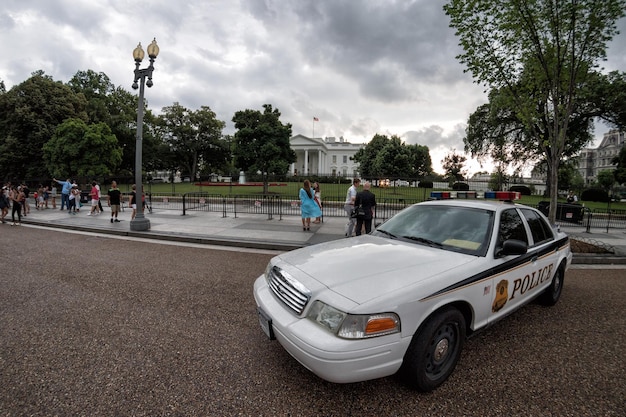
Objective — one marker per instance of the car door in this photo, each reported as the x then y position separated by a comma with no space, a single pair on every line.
518,276
544,247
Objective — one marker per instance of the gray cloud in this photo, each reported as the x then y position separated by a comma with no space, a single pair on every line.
361,67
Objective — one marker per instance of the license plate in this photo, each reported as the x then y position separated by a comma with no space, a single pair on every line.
266,323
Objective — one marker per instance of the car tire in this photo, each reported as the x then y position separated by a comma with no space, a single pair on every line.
551,295
435,350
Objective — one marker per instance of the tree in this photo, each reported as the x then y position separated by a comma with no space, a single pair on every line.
453,164
96,88
385,157
117,108
541,53
495,130
194,137
79,149
367,155
498,179
29,114
620,170
569,177
606,179
262,143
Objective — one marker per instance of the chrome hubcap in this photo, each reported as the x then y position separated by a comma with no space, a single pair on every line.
441,350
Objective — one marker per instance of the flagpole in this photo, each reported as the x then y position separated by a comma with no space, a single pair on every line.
313,129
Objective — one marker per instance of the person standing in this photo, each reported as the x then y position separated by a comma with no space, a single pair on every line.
349,205
308,206
39,198
100,210
46,196
17,197
65,192
72,201
25,205
367,200
4,203
114,200
95,197
133,201
318,199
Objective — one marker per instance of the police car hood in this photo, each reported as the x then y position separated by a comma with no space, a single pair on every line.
365,267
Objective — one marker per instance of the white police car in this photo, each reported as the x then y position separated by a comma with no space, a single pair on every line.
404,298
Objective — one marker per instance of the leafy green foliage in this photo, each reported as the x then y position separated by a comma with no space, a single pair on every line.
620,170
522,189
606,179
78,149
29,115
595,194
389,157
194,138
540,54
262,142
453,166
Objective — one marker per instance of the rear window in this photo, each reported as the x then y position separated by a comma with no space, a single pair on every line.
539,229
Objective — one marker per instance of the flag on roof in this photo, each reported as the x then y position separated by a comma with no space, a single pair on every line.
315,119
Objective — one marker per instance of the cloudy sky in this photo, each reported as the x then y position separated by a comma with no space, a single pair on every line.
362,67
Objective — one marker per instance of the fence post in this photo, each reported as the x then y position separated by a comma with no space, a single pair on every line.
589,214
235,205
224,207
184,199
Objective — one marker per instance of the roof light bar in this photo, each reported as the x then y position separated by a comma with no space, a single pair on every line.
489,195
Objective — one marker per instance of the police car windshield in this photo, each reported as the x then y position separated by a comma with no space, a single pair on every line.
456,228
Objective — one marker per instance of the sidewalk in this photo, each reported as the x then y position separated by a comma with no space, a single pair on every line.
256,231
246,230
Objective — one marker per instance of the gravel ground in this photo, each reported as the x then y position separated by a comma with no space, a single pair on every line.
93,326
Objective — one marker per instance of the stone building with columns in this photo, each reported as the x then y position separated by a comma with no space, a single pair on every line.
592,161
324,156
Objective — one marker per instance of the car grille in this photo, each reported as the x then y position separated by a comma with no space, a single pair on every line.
288,290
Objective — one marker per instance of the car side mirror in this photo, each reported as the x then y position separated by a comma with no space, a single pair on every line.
513,247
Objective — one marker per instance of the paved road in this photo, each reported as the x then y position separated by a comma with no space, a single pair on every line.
97,326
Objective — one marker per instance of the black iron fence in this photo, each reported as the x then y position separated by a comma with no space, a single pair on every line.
572,215
278,207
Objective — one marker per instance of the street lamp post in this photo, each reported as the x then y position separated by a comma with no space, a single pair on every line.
140,222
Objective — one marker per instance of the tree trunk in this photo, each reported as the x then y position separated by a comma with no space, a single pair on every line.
553,179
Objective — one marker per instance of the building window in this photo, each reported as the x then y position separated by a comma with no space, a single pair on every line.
334,159
345,159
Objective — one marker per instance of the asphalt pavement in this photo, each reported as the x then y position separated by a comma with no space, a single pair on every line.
93,326
258,232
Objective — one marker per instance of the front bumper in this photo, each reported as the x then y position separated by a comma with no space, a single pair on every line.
326,355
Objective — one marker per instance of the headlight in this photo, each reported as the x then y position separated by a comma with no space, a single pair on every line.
354,326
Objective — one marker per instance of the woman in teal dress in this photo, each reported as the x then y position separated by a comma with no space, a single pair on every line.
308,206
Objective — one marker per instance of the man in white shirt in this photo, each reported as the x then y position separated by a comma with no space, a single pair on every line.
350,197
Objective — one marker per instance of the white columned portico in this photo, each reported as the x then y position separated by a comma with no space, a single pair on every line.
306,161
319,161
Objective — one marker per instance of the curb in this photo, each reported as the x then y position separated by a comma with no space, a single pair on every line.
593,259
172,237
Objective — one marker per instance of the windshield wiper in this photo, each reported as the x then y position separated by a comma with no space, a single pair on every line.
424,240
391,235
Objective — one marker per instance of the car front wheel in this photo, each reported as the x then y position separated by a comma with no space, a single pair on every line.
434,350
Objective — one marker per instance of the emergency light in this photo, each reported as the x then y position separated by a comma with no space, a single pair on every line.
489,195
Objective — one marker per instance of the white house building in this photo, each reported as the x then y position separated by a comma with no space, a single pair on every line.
327,156
592,161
